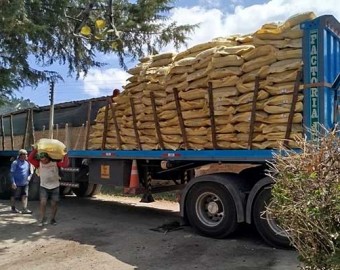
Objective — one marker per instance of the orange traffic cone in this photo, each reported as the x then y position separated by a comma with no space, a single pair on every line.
134,180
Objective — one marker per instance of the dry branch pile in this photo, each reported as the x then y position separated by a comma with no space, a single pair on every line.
306,199
273,54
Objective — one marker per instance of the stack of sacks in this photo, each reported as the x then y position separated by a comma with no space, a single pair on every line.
189,75
133,92
97,130
224,74
287,39
134,88
96,135
273,54
155,78
147,76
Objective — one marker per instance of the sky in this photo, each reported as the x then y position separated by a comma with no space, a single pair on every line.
216,18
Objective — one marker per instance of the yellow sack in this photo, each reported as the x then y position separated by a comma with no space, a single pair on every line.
284,65
54,148
188,61
289,54
223,72
259,52
238,50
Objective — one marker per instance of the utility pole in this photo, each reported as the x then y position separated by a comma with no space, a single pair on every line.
50,130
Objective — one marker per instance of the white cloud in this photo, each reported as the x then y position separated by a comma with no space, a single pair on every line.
209,20
214,23
101,82
248,19
243,20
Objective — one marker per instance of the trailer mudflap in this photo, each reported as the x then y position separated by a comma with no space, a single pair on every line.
110,172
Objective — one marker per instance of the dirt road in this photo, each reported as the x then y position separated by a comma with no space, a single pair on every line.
115,233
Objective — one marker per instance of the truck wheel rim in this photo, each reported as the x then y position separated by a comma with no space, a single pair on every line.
274,226
209,209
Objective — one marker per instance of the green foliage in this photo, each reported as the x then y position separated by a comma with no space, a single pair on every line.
306,199
12,104
48,32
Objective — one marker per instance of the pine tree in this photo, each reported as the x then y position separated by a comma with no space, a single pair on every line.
72,32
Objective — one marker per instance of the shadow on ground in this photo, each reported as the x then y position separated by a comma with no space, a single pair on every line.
127,233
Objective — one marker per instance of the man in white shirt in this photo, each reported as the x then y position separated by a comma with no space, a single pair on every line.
49,182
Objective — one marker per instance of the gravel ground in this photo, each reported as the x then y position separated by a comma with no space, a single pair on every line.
120,233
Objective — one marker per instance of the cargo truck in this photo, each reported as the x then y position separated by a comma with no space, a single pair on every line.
214,204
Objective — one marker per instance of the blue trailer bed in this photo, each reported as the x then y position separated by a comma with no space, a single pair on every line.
239,156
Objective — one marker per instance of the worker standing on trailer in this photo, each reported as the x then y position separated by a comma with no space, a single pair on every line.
20,176
49,182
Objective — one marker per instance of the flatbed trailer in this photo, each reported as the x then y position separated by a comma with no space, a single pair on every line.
216,203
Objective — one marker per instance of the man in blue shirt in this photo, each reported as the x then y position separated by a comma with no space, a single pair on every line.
20,176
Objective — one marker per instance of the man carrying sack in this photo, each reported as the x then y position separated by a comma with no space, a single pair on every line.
49,175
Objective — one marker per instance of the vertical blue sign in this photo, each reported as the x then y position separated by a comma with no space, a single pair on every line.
314,91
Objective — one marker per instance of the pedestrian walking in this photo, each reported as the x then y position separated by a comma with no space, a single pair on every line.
49,182
21,174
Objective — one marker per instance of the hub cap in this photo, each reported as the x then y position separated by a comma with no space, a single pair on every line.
209,209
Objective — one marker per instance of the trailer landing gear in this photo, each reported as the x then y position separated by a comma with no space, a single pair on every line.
147,197
87,189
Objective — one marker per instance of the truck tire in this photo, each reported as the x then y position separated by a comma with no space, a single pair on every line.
5,183
211,210
267,227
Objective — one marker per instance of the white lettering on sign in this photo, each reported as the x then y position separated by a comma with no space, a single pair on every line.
314,79
314,113
313,60
314,38
314,71
314,103
314,91
314,128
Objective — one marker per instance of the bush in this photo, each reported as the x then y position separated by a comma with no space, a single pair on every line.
306,199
